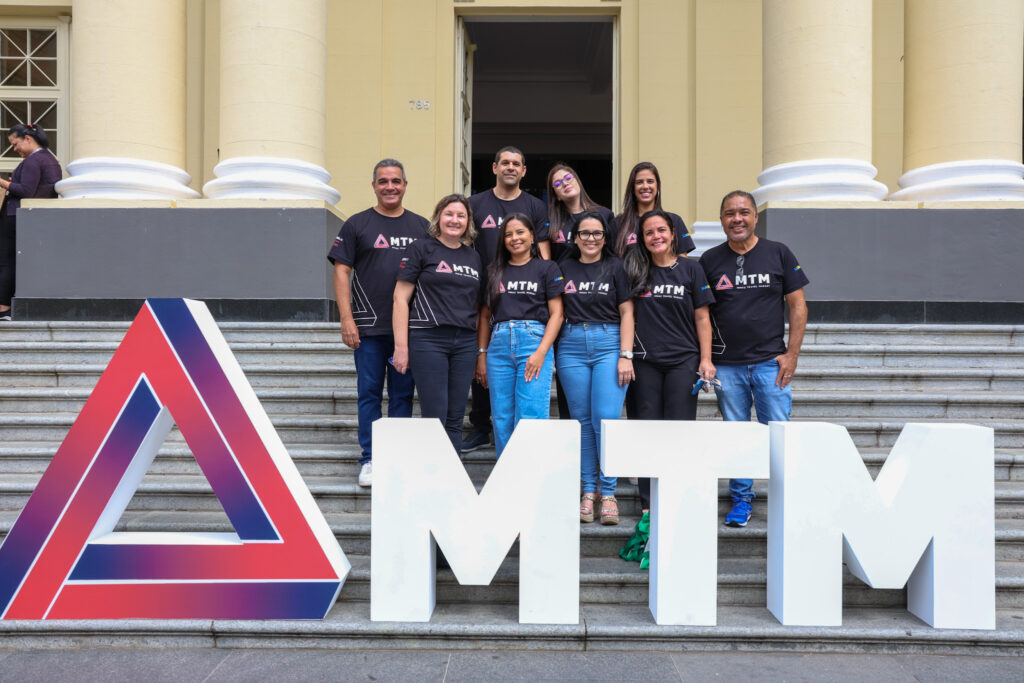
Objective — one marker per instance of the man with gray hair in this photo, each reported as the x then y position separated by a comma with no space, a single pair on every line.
366,254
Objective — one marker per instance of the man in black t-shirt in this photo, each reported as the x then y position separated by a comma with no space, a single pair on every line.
366,254
489,210
754,280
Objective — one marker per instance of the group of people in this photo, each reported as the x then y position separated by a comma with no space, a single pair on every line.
498,290
33,178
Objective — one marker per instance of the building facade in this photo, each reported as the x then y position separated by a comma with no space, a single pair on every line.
875,108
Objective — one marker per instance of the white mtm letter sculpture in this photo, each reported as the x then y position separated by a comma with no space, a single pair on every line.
929,517
422,494
685,460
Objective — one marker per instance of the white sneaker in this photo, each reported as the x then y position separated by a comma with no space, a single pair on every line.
366,475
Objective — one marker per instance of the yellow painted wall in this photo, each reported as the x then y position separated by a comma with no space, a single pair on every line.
887,96
728,101
688,95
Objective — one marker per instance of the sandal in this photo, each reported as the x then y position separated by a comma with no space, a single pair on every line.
587,507
609,511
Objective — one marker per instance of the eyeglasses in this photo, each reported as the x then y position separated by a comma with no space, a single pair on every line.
566,179
739,265
591,235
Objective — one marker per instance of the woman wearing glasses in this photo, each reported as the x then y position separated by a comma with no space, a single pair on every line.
594,354
672,346
567,201
643,194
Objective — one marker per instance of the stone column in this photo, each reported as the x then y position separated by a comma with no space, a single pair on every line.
963,78
817,102
272,101
128,101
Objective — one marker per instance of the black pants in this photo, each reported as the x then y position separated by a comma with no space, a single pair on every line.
663,392
7,256
480,411
443,359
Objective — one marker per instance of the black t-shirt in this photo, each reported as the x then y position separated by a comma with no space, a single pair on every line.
562,238
593,291
447,284
684,241
748,317
666,332
373,245
524,291
489,212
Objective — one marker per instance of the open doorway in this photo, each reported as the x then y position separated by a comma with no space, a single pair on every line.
545,86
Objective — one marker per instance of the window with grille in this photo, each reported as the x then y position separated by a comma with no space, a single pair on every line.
33,77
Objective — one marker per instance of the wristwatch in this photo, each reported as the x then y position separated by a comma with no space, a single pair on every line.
479,351
628,355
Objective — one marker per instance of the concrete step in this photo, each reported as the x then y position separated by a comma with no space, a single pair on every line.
866,432
340,376
816,333
328,354
807,404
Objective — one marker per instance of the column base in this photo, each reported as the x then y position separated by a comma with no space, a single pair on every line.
706,234
963,181
270,178
840,180
124,178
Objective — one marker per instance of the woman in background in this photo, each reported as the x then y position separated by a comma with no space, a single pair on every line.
643,194
33,178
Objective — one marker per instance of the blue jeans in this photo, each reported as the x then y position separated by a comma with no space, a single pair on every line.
444,358
512,397
588,366
371,368
744,386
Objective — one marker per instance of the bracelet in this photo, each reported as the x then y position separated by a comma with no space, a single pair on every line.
481,350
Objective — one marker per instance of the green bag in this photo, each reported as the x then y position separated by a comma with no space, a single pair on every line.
635,549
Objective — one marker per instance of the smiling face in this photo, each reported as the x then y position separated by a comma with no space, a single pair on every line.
518,238
739,218
645,187
564,184
658,236
454,220
590,237
509,169
389,187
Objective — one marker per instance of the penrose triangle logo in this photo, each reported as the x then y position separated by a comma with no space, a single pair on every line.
381,243
443,267
62,558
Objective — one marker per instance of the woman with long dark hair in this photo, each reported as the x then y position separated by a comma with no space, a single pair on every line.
439,279
33,178
595,351
643,194
672,346
567,202
524,303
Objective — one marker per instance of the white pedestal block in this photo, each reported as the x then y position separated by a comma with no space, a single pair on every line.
706,234
829,180
685,460
423,497
124,178
270,178
927,522
963,181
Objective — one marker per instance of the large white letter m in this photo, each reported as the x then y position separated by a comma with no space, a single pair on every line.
422,493
927,522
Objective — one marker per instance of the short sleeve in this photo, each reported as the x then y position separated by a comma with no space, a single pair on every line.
540,221
683,240
411,265
553,281
793,277
621,280
702,295
343,250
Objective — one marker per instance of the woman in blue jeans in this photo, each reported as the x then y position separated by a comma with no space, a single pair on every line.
436,307
524,304
594,355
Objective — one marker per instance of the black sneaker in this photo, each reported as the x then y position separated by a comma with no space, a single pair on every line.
475,441
6,316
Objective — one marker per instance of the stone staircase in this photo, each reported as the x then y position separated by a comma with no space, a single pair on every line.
872,379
